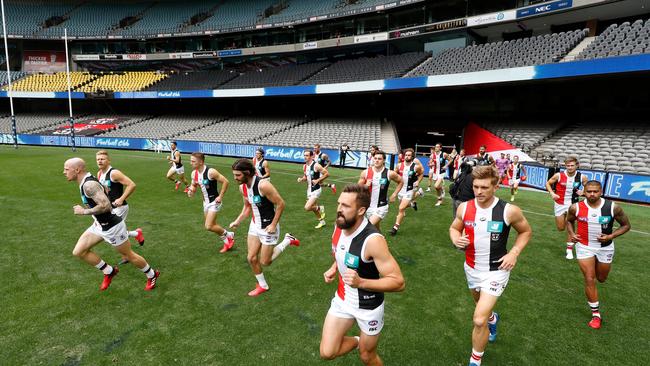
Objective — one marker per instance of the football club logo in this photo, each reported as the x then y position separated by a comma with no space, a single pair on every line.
206,182
604,220
257,199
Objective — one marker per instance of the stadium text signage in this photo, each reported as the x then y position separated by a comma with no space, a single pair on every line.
503,16
544,8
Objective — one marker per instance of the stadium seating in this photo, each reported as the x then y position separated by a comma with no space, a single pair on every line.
52,82
242,129
619,40
276,76
163,127
15,75
96,19
199,80
521,134
303,9
536,50
123,82
27,17
165,17
622,148
331,133
375,68
33,122
233,14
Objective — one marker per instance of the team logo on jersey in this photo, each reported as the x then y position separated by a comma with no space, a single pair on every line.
470,223
483,219
576,184
257,199
495,226
351,260
604,220
383,181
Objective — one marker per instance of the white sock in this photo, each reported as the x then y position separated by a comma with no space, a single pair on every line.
569,246
262,281
358,341
226,235
493,318
104,267
148,271
133,233
280,248
476,357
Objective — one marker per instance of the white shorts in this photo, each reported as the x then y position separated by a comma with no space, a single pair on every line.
314,194
491,282
513,181
369,321
180,170
405,195
377,211
211,207
560,209
122,211
114,236
265,238
436,176
603,254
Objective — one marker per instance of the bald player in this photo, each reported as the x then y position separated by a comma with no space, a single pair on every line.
107,227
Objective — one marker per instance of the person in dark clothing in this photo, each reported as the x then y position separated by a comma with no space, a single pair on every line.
461,189
343,153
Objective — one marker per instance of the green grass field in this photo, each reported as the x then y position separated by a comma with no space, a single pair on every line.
53,314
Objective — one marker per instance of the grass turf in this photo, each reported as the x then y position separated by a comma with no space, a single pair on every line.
53,314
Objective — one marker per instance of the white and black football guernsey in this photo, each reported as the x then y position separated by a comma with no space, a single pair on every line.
114,189
263,209
107,219
349,253
209,187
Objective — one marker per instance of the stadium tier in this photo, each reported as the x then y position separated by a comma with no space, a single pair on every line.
15,75
276,76
536,50
123,82
622,148
197,80
242,129
33,122
52,82
376,68
160,127
619,40
521,134
331,133
101,18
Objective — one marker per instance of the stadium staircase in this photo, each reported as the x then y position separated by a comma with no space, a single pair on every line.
571,56
389,142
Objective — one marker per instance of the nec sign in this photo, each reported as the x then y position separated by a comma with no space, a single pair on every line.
534,10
